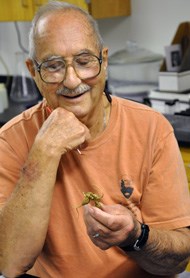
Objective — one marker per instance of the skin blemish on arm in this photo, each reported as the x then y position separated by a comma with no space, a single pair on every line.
30,171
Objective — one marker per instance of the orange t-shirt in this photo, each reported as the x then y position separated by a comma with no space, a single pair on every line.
137,150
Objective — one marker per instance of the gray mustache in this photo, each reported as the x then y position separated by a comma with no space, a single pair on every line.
77,91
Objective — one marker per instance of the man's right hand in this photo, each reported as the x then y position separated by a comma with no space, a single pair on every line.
62,132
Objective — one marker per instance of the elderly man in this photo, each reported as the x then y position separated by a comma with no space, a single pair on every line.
79,143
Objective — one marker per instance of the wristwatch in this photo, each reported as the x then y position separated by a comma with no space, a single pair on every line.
140,242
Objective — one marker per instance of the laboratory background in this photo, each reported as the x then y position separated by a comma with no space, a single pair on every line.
149,58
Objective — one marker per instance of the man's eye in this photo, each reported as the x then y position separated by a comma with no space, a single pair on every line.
85,60
53,65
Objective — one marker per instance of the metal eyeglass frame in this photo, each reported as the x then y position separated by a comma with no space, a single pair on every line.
38,68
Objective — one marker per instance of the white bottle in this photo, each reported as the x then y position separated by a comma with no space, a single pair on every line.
1,105
3,96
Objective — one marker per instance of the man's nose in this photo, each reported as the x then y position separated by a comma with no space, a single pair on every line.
71,79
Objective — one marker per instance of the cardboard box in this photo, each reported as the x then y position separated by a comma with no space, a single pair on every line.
174,81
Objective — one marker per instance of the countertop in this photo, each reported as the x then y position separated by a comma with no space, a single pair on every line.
181,124
13,110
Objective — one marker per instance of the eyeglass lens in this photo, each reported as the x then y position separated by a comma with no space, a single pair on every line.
86,66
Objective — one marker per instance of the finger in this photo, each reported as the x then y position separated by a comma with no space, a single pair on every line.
103,236
105,240
101,244
111,222
93,226
114,209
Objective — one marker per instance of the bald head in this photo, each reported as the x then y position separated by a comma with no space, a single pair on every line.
58,15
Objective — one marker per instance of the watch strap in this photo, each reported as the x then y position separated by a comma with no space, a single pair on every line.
140,242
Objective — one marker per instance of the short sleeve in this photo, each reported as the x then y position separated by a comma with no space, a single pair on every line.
166,200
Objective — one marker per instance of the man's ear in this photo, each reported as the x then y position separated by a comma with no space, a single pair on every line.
30,66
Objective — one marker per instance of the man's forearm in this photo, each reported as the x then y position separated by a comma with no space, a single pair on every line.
165,253
24,218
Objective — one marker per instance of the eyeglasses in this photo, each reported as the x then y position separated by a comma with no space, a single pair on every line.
86,66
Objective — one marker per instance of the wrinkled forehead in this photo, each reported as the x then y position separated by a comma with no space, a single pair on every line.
66,23
64,31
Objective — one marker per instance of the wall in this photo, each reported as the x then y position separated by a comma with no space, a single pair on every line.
9,44
152,25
